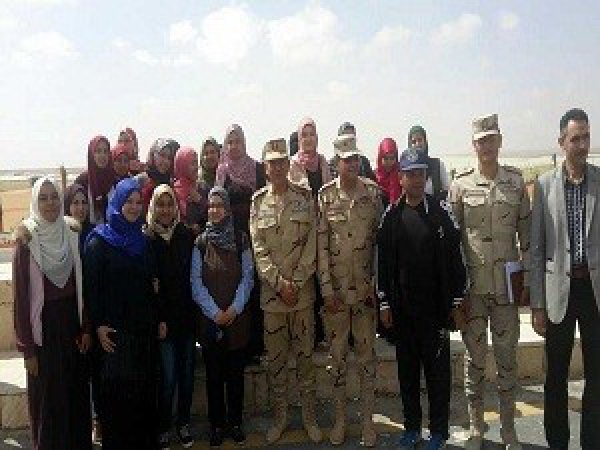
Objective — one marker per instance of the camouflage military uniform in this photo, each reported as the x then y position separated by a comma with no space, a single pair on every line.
491,213
346,241
284,239
284,242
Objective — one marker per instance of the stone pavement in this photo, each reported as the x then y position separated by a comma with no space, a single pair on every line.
388,418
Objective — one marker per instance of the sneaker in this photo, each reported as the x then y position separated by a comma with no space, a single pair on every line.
409,440
238,435
185,437
216,437
164,441
436,442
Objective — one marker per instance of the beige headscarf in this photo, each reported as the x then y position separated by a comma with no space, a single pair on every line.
165,232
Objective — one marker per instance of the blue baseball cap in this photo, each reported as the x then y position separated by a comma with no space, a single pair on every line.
413,158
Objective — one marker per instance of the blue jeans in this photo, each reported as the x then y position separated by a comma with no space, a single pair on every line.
177,362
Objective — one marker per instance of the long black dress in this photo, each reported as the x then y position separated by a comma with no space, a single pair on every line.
58,397
121,295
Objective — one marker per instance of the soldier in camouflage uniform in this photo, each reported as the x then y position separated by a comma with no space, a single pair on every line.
283,230
492,208
349,212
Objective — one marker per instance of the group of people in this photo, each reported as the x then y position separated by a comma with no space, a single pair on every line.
118,277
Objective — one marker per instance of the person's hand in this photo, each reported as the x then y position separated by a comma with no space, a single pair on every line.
22,234
460,318
289,294
333,304
230,315
162,330
539,321
103,333
386,318
221,318
31,365
84,342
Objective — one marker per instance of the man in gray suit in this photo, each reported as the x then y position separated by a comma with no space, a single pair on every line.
565,280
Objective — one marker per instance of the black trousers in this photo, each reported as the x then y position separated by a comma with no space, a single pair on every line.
422,343
559,347
224,384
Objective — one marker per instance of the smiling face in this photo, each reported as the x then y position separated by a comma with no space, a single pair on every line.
389,160
78,209
102,154
132,209
165,209
49,202
235,146
192,169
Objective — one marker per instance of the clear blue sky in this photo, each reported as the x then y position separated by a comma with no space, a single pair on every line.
72,69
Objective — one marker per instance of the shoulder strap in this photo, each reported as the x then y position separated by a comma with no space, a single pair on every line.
436,177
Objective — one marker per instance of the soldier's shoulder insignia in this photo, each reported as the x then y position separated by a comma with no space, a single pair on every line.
262,191
465,172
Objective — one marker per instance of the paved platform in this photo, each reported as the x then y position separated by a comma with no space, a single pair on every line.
389,424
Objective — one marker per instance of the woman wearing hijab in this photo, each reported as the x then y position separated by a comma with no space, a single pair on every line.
209,161
121,285
159,170
191,202
129,138
99,177
438,181
309,168
172,244
50,325
77,216
222,277
240,175
387,170
121,156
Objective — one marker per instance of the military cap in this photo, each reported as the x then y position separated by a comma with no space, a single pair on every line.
485,126
275,149
345,146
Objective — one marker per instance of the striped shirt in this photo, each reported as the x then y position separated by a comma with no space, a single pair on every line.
575,204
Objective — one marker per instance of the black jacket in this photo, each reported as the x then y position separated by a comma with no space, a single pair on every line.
173,260
393,260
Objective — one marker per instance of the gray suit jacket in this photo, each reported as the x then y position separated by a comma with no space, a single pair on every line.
550,244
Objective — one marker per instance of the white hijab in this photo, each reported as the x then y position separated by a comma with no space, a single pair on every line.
50,245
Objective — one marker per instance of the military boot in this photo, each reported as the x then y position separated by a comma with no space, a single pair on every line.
280,421
336,437
308,417
367,397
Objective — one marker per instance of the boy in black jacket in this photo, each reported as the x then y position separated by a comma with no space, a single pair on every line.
421,283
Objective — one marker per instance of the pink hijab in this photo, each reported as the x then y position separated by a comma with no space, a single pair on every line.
308,160
241,171
184,181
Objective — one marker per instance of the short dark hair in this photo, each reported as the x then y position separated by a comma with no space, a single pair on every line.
575,114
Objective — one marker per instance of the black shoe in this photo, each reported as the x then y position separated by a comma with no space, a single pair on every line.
216,437
238,435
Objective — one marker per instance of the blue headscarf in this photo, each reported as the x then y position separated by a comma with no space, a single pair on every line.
118,231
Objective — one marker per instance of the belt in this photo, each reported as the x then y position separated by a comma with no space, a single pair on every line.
579,273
